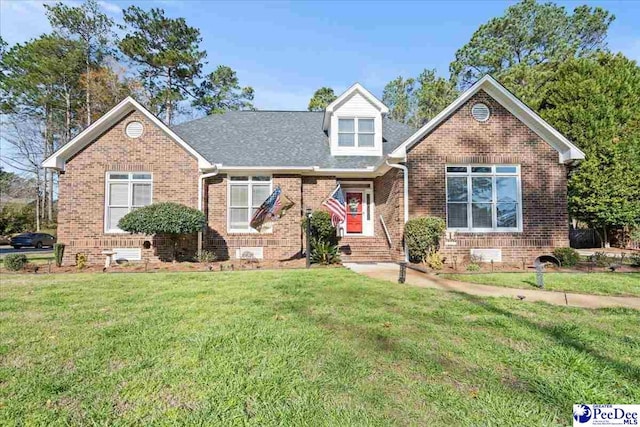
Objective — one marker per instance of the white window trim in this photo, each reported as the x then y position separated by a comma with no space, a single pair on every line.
356,132
107,202
248,230
493,174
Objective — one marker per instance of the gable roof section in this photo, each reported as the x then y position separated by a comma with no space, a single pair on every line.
355,88
278,139
58,159
566,150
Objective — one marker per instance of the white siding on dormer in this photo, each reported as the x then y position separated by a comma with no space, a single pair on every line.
356,106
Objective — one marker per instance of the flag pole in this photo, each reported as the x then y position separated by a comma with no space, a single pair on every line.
308,251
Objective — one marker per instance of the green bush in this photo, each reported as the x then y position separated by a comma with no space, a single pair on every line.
422,236
601,259
634,260
170,219
17,218
567,256
435,261
58,253
323,252
207,257
321,227
81,261
15,262
473,267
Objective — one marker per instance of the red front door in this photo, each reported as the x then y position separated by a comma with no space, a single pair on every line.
354,212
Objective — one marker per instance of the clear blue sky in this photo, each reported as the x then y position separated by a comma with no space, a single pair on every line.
286,50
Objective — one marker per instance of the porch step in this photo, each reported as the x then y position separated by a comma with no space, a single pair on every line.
361,249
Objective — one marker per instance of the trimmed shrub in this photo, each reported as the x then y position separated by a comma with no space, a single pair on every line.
58,253
423,236
567,256
634,260
15,262
321,227
170,219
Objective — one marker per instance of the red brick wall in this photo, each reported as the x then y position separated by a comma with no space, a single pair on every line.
460,139
502,139
285,240
82,187
388,193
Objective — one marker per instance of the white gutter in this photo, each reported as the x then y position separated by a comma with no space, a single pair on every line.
200,183
405,171
200,206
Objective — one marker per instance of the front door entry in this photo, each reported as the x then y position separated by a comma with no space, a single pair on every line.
354,212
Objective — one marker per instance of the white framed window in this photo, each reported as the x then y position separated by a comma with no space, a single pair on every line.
484,198
125,191
245,195
356,132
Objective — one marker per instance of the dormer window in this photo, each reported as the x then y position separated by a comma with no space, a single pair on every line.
353,123
357,132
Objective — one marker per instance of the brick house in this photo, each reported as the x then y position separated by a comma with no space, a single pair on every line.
487,164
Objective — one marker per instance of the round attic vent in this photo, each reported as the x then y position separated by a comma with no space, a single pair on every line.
134,129
480,112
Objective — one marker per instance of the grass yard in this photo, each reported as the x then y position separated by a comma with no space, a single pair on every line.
318,347
625,284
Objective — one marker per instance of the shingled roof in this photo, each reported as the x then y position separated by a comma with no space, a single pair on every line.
277,138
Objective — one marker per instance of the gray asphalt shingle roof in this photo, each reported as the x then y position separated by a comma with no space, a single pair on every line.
277,138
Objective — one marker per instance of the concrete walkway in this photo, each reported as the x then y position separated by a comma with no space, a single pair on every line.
389,271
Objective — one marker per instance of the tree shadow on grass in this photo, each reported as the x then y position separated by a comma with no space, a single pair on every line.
630,372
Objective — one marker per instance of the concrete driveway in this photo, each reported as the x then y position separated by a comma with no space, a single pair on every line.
389,271
6,250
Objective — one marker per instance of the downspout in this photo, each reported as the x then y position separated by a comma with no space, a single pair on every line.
405,172
200,201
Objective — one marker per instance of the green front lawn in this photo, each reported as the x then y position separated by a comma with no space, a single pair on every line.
318,347
627,284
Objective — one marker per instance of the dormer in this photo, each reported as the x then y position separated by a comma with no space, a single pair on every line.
353,123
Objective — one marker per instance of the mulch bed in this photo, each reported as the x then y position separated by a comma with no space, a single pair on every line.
504,267
141,267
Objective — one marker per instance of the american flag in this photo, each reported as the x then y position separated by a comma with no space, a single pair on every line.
271,210
337,206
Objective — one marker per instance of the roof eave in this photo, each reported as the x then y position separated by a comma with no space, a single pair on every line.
58,159
567,151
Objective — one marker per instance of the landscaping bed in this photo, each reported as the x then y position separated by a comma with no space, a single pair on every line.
151,267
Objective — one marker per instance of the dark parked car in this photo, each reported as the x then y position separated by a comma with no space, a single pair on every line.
37,240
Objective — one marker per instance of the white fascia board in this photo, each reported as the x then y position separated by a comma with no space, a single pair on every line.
58,159
567,151
302,170
356,87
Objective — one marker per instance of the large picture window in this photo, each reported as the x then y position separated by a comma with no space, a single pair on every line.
125,192
246,194
484,198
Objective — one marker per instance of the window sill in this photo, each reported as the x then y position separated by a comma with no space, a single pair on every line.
248,233
482,231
